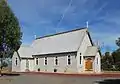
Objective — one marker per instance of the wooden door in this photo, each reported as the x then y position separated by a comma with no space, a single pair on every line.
88,64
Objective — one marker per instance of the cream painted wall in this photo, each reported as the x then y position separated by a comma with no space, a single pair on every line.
62,58
97,63
62,63
86,42
15,67
31,65
23,63
82,48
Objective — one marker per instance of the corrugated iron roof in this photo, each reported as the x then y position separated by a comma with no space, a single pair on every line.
64,42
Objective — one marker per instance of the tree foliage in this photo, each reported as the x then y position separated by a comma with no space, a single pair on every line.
112,62
4,64
10,34
118,42
107,61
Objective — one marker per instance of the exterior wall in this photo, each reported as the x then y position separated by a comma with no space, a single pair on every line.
31,64
97,63
82,48
62,63
23,63
15,67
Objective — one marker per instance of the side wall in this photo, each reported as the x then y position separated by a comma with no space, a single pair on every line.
23,63
97,63
62,63
15,67
82,48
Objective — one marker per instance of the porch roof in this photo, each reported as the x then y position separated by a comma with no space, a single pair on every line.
91,51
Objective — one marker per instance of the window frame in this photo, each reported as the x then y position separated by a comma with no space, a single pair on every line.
16,61
37,61
56,58
97,60
80,59
45,61
69,60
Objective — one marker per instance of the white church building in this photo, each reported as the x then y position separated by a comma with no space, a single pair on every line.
70,51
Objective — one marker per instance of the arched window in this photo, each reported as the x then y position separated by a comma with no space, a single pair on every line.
80,53
97,60
80,59
56,60
69,60
36,61
45,60
16,62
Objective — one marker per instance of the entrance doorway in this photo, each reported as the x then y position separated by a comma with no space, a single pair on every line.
27,65
88,64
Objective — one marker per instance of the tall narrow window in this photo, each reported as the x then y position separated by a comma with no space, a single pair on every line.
80,59
56,60
97,60
80,53
69,60
16,61
36,61
45,60
27,64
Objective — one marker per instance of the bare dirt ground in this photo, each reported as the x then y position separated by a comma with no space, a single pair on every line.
51,79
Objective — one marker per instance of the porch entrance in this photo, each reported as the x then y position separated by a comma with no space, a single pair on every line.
88,64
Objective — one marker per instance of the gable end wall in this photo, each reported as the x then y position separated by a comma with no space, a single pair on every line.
86,42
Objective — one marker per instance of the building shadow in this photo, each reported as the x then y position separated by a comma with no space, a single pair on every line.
10,74
109,81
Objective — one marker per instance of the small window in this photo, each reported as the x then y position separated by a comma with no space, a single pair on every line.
36,61
55,70
56,60
80,53
69,60
80,59
38,69
45,60
16,62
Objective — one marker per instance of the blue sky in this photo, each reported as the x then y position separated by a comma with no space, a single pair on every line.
41,17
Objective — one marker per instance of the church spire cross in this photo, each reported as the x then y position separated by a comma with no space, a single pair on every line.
87,24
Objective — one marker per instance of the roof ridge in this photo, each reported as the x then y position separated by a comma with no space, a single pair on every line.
23,45
62,32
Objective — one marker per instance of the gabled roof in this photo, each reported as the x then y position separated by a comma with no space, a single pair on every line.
91,51
57,43
25,51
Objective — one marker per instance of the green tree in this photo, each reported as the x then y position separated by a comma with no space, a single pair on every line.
10,33
107,61
116,55
118,42
4,64
116,58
